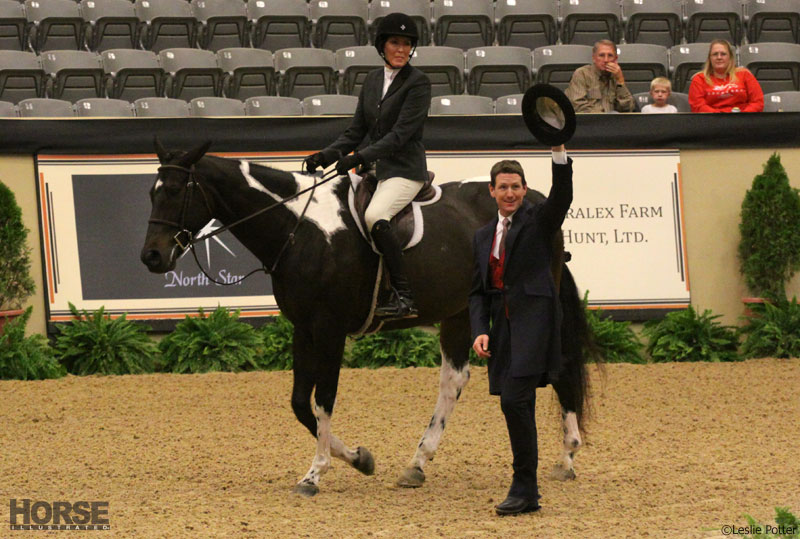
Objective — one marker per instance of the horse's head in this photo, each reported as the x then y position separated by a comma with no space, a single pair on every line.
180,208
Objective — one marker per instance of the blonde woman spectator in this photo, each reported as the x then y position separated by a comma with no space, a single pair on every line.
660,90
723,87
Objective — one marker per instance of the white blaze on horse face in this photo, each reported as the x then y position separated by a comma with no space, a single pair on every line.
158,185
324,209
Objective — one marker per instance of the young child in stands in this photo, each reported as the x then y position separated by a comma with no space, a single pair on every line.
660,90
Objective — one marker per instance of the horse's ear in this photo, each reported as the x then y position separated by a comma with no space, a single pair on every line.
194,155
161,152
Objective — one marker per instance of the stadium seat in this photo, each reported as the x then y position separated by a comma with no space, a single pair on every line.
641,63
508,104
498,71
338,23
110,24
216,106
773,21
13,26
775,65
166,24
680,100
8,110
685,61
418,10
526,23
305,72
21,76
131,74
222,24
273,106
73,75
42,107
444,66
461,104
658,22
102,107
279,24
463,23
54,24
190,73
318,105
161,107
586,21
555,64
707,20
247,72
353,64
782,102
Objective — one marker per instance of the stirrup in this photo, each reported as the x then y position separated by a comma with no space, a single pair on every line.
398,308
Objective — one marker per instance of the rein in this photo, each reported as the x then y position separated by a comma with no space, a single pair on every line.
191,241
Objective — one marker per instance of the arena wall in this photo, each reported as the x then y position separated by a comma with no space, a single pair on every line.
719,154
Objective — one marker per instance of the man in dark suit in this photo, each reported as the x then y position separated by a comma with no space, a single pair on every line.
515,313
391,111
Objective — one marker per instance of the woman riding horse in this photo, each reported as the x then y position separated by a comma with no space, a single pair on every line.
391,110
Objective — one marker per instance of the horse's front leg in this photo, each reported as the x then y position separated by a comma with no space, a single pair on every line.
323,359
454,341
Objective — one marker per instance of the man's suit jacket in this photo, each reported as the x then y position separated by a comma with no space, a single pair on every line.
531,342
394,125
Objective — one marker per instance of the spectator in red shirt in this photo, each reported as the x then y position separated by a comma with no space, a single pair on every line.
723,87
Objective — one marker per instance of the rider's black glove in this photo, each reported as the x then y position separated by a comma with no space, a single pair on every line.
347,162
312,162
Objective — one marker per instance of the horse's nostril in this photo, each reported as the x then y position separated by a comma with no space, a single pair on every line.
151,258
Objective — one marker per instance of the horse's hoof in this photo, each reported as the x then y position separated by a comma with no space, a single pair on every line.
305,489
411,478
364,463
560,473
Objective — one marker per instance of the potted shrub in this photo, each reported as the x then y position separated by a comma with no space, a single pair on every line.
16,283
769,248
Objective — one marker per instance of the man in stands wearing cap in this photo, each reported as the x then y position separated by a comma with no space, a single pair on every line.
514,309
391,111
600,86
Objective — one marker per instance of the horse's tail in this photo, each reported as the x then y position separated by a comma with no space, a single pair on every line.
577,346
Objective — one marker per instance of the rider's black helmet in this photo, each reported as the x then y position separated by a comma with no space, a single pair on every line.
395,24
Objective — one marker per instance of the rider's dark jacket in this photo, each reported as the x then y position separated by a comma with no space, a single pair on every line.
394,125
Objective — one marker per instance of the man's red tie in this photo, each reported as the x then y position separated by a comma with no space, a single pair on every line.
503,234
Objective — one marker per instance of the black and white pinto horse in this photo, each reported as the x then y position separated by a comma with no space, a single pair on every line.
325,279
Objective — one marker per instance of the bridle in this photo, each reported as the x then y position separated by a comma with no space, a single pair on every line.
190,241
191,184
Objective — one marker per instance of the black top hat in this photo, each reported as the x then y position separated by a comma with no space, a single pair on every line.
548,114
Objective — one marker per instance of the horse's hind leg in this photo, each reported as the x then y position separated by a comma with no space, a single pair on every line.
564,469
454,341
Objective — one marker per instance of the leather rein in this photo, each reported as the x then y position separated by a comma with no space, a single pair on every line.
190,241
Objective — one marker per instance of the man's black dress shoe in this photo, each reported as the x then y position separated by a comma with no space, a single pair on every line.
516,506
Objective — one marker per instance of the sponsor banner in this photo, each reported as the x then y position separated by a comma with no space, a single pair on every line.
624,228
624,231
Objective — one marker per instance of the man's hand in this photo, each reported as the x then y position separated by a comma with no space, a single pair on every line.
347,162
616,72
481,346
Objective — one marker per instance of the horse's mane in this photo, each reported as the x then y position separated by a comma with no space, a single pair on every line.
260,172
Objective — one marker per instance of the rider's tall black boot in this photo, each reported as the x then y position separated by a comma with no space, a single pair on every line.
401,304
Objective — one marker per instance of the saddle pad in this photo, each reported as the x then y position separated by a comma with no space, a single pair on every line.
412,223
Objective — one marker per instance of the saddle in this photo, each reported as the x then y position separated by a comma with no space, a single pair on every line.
407,225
